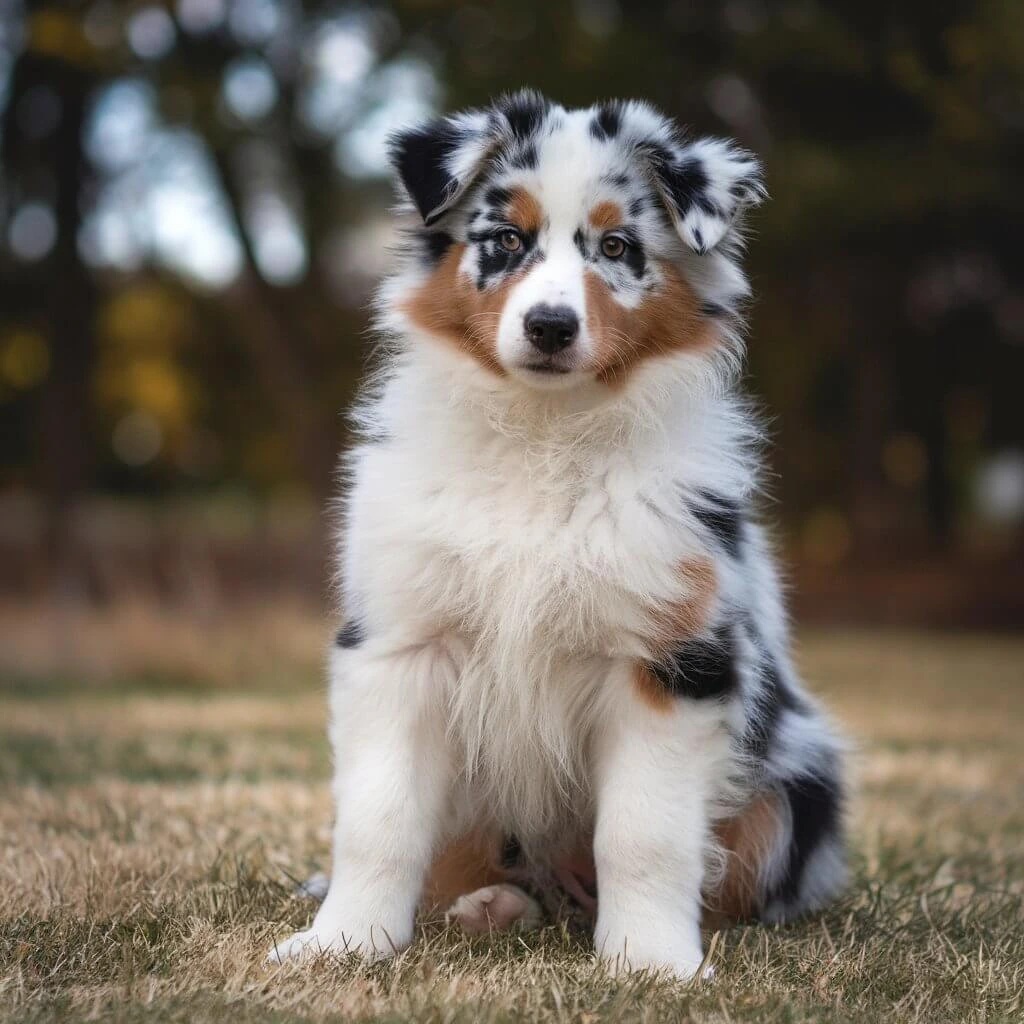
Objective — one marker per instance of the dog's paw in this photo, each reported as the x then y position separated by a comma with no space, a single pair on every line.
494,908
301,944
675,954
319,940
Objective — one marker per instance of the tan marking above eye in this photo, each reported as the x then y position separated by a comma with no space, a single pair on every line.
606,215
524,210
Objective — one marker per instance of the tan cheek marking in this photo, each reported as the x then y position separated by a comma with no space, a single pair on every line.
682,619
605,215
524,211
667,320
748,838
448,305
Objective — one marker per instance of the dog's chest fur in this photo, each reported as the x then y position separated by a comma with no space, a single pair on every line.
538,561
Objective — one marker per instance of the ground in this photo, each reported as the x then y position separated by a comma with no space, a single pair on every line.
153,825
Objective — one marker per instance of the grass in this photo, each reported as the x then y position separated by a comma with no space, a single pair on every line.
151,836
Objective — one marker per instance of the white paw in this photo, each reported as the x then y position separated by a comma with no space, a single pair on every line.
309,943
494,908
684,960
318,941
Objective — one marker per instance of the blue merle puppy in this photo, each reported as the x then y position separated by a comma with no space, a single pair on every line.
565,666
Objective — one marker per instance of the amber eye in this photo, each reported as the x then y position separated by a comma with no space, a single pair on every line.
510,240
613,246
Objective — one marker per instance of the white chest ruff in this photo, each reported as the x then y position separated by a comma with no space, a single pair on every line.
540,591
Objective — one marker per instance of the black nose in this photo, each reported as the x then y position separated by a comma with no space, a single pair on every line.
551,328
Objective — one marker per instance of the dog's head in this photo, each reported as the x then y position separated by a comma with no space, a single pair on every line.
559,246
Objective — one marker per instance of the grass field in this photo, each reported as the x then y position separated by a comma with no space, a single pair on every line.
153,821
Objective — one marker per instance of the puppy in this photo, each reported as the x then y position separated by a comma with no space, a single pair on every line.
565,665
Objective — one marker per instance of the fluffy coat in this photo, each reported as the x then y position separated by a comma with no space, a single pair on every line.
565,630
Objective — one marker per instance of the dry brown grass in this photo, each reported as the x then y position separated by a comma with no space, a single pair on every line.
150,835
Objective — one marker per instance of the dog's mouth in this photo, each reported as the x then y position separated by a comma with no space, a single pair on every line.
547,366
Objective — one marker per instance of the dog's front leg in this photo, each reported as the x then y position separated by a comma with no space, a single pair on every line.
391,783
657,763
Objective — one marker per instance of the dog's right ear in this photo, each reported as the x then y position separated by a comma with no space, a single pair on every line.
438,161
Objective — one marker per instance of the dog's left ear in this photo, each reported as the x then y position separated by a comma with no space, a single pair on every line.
438,161
705,185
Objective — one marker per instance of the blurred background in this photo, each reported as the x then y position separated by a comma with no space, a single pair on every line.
194,210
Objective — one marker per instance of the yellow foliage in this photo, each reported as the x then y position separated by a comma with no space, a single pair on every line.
24,359
144,317
59,33
142,331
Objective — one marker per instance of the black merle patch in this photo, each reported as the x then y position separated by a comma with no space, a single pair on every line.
815,803
579,239
497,197
699,669
683,182
352,634
607,121
436,243
524,158
525,112
494,260
713,310
634,258
772,698
723,517
421,155
687,184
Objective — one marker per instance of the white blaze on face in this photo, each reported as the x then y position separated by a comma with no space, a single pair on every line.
556,283
566,186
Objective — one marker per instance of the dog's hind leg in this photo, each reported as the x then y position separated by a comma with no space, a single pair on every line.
471,881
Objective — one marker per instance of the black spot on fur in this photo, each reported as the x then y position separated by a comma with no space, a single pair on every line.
524,158
713,310
421,156
700,669
723,517
497,196
606,122
684,182
436,243
772,698
495,261
637,207
580,241
350,635
634,258
525,112
815,805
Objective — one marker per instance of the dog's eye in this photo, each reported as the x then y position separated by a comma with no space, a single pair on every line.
509,240
613,246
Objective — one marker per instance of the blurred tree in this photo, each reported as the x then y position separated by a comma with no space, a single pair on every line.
226,158
43,142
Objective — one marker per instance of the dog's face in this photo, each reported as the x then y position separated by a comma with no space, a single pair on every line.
567,245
